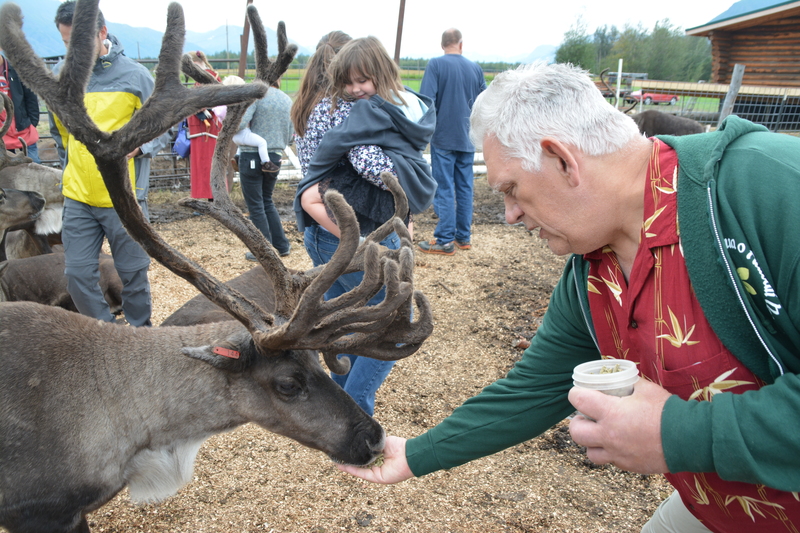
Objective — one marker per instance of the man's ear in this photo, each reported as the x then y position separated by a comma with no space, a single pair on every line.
564,157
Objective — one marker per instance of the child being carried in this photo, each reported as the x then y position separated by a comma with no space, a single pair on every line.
247,138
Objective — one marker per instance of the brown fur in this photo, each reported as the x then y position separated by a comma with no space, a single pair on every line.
41,279
87,407
653,122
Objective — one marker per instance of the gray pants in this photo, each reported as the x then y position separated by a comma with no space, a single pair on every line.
672,516
83,229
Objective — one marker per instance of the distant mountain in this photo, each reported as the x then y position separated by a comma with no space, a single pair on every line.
545,52
41,32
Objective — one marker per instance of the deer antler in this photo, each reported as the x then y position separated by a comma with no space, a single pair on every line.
6,159
298,296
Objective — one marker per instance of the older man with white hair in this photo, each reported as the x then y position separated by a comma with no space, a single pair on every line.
679,264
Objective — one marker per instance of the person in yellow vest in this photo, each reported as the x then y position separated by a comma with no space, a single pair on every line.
117,88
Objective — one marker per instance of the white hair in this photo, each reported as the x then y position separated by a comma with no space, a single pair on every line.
524,105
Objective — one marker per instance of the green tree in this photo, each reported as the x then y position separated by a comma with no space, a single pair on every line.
630,48
603,42
577,47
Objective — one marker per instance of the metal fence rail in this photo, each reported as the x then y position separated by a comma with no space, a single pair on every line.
777,108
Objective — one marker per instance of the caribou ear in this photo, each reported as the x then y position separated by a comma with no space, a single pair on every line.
233,354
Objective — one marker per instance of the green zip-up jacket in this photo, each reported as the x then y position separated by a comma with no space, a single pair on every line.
739,216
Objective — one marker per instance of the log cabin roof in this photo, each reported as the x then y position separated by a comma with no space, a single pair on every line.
747,13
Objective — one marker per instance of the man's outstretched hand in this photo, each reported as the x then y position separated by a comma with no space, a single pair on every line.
394,468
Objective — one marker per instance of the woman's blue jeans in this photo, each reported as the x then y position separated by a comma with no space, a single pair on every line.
366,374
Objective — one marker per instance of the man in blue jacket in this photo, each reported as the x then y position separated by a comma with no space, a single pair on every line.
453,83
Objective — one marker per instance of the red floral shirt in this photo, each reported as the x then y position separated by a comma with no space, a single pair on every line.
655,320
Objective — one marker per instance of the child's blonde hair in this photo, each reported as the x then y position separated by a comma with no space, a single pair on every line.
232,80
365,57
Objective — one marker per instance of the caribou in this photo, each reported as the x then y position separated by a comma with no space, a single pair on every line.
88,407
20,172
41,279
18,208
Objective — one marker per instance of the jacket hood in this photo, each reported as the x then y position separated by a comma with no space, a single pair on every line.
706,151
116,50
418,134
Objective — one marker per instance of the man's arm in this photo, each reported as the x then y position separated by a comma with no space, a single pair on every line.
430,82
31,105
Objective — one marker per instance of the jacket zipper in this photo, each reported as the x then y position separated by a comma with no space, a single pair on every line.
734,280
583,310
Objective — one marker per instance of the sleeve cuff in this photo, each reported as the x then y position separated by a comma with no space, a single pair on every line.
686,436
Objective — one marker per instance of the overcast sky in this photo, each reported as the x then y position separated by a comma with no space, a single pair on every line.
502,27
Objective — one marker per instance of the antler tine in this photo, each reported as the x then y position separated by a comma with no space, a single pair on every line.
191,69
286,54
400,210
21,54
312,306
402,337
6,159
287,287
171,102
394,224
379,346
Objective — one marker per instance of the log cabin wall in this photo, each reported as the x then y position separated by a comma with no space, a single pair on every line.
766,42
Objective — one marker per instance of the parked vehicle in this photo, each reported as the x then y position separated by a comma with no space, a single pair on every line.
651,98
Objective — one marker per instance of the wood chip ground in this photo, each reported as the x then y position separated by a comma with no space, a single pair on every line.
484,300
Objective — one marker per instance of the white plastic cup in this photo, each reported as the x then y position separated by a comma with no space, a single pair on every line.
620,383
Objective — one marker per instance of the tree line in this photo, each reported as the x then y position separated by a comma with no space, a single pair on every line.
664,53
406,63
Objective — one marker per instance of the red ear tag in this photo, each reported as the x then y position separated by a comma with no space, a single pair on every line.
219,350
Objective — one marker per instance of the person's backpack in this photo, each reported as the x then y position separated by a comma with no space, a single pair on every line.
182,145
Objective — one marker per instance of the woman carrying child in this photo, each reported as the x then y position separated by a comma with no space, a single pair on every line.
368,124
267,119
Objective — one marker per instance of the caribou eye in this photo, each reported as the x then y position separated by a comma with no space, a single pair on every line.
288,387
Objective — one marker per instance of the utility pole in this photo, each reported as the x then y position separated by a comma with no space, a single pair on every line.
399,31
243,41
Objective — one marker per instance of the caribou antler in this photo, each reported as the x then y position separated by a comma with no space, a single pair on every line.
312,322
6,159
603,80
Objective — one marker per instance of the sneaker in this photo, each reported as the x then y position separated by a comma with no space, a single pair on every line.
433,248
235,163
287,252
269,166
463,245
250,257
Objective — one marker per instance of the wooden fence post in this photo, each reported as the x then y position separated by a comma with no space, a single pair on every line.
733,92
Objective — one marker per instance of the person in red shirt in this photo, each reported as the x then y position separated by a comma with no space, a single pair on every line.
204,128
26,112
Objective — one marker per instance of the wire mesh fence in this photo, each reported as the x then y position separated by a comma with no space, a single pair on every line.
777,108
